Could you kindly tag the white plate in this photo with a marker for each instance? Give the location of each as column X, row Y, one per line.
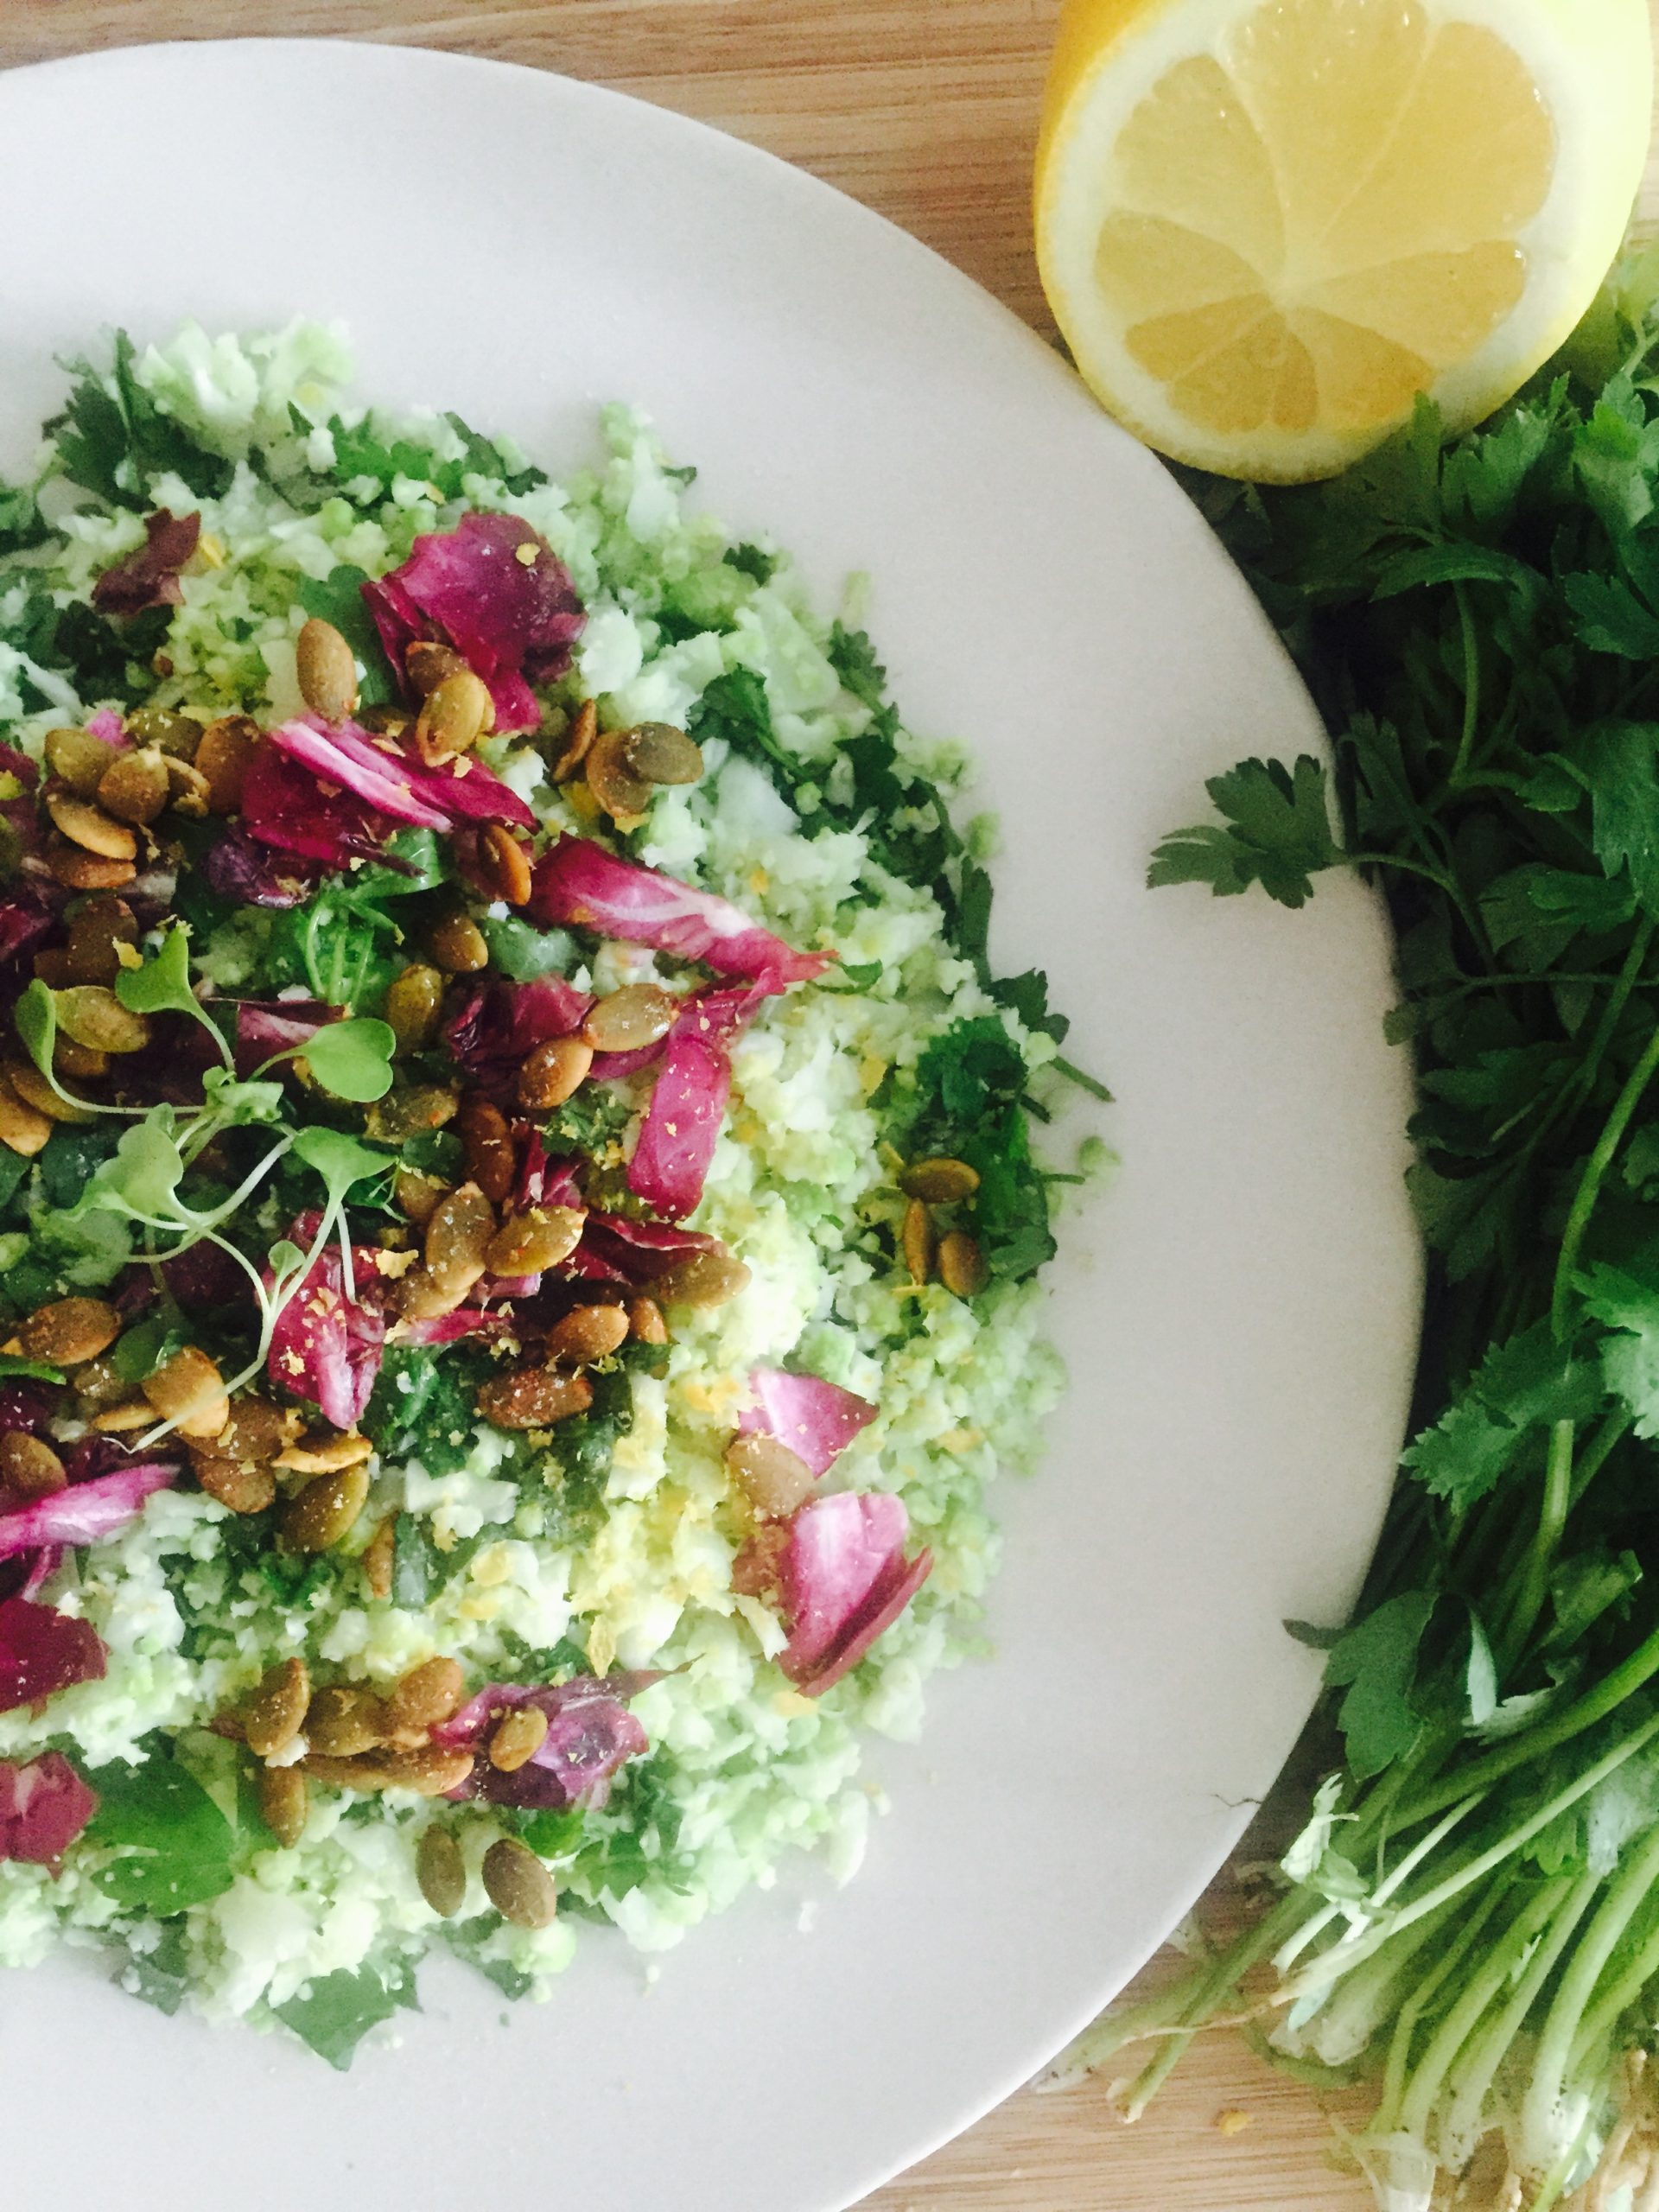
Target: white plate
column 1239, row 1316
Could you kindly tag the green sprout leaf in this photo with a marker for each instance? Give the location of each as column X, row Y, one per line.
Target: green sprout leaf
column 340, row 1160
column 352, row 1059
column 161, row 985
column 36, row 1020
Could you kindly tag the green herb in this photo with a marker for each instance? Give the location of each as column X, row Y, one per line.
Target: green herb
column 751, row 561
column 160, row 1976
column 333, row 2013
column 112, row 438
column 970, row 1104
column 175, row 1845
column 853, row 658
column 1479, row 620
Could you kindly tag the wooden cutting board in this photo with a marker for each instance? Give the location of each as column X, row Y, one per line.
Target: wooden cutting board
column 924, row 109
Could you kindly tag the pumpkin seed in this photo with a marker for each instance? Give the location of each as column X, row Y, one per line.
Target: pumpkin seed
column 414, row 1000
column 31, row 1087
column 342, row 1721
column 457, row 944
column 657, row 752
column 223, row 759
column 527, row 1244
column 324, row 1456
column 239, row 1487
column 326, row 1510
column 962, row 1265
column 99, row 926
column 133, row 788
column 554, row 1072
column 635, row 1016
column 177, row 735
column 624, row 795
column 534, row 1397
column 190, row 1393
column 80, row 870
column 700, row 1278
column 326, row 671
column 283, row 1803
column 441, row 1870
column 917, row 1239
column 69, row 1330
column 30, row 1468
column 408, row 1109
column 118, row 1420
column 379, row 1556
column 188, row 788
column 274, row 1714
column 427, row 662
column 491, row 1156
column 578, row 742
column 454, row 715
column 89, row 827
column 427, row 1694
column 77, row 1063
column 21, row 1130
column 519, row 1736
column 588, row 1333
column 427, row 1768
column 93, row 1016
column 774, row 1480
column 458, row 1237
column 645, row 1322
column 416, row 1194
column 503, row 864
column 519, row 1885
column 939, row 1182
column 78, row 759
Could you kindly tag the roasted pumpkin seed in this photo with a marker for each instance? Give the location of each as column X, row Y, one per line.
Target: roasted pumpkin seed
column 504, row 864
column 519, row 1885
column 939, row 1181
column 587, row 1334
column 631, row 1018
column 918, row 1241
column 427, row 1694
column 283, row 1803
column 534, row 1397
column 774, row 1480
column 657, row 752
column 527, row 1244
column 326, row 671
column 961, row 1264
column 274, row 1714
column 457, row 944
column 518, row 1737
column 414, row 1001
column 700, row 1278
column 326, row 1510
column 93, row 1016
column 554, row 1072
column 28, row 1467
column 190, row 1393
column 69, row 1330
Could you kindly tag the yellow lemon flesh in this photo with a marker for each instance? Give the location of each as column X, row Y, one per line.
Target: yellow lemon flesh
column 1266, row 225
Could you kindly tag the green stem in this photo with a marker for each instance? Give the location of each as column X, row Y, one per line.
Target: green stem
column 1461, row 2023
column 1558, row 1728
column 1592, row 1458
column 1533, row 1587
column 1451, row 1958
column 1333, row 1963
column 1464, row 2119
column 1595, row 1169
column 1542, row 2101
column 1471, row 686
column 1599, row 2022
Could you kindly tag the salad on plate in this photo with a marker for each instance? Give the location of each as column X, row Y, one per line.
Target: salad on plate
column 519, row 1234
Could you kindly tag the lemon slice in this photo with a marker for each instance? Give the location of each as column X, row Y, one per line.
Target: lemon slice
column 1266, row 225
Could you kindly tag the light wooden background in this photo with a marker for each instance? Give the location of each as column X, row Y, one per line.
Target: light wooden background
column 925, row 109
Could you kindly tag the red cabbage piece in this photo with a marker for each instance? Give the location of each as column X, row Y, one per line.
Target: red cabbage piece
column 43, row 1650
column 22, row 926
column 326, row 1346
column 816, row 1419
column 578, row 882
column 614, row 1247
column 241, row 870
column 495, row 1027
column 688, row 1102
column 86, row 1511
column 507, row 617
column 267, row 1027
column 39, row 1567
column 108, row 725
column 283, row 806
column 395, row 782
column 150, row 576
column 379, row 779
column 28, row 1405
column 591, row 1734
column 844, row 1578
column 43, row 1807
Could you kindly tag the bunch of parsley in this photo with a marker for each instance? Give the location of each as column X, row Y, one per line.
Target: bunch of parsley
column 1471, row 1919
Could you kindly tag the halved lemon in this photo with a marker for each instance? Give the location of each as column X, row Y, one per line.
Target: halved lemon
column 1266, row 225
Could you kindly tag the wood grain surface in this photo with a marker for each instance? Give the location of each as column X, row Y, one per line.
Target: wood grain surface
column 925, row 110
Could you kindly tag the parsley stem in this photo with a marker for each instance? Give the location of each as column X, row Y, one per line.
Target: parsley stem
column 1572, row 1095
column 1555, row 1729
column 1089, row 1082
column 1471, row 686
column 1533, row 1585
column 1595, row 1170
